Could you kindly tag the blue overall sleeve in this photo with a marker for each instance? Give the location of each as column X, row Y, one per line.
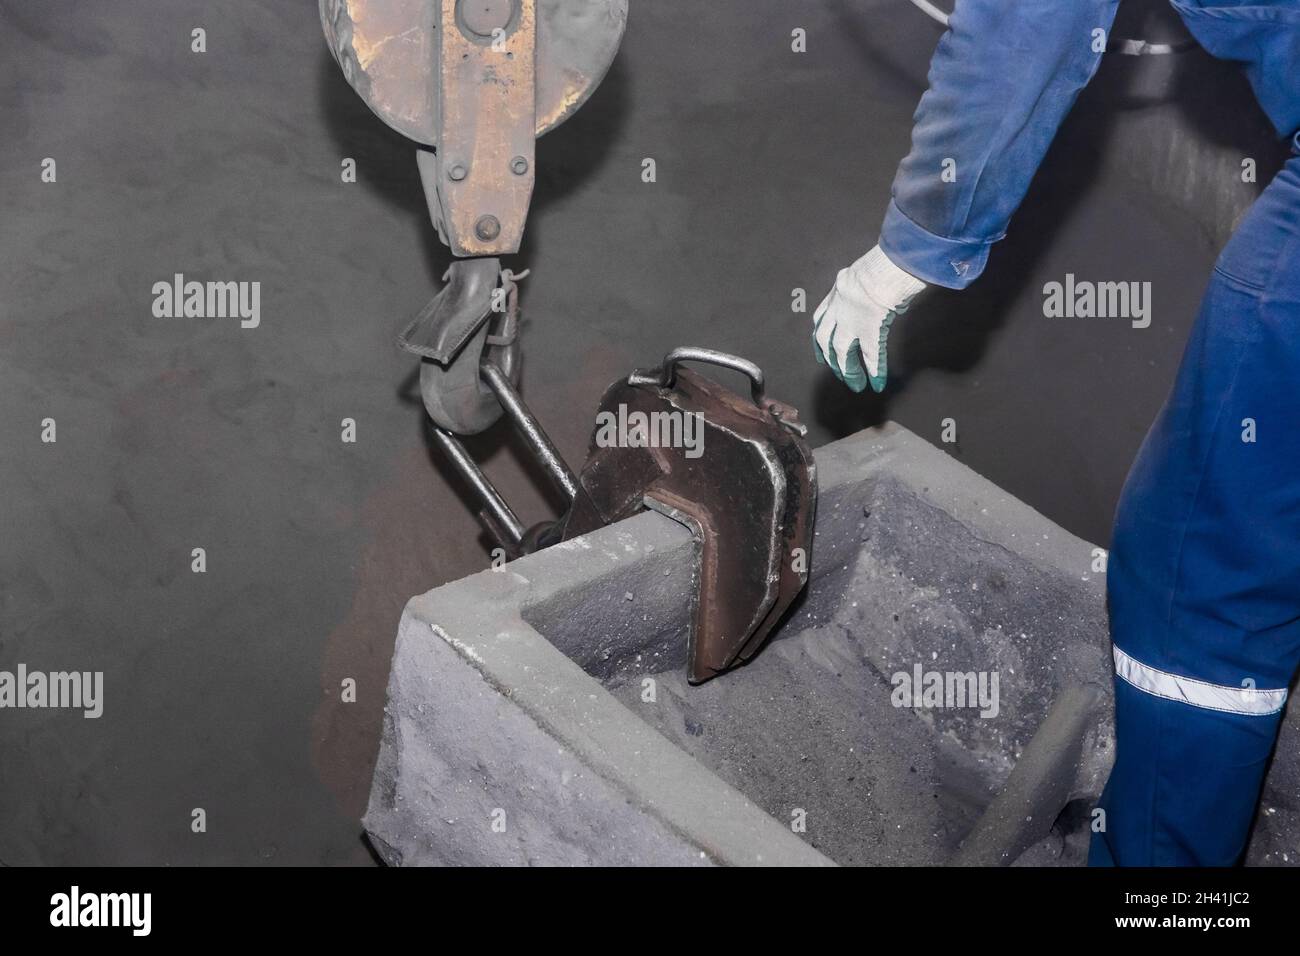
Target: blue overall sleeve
column 1001, row 81
column 1264, row 38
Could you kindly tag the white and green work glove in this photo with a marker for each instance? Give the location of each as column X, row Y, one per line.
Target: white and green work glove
column 851, row 325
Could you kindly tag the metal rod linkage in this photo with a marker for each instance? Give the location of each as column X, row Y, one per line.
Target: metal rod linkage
column 530, row 428
column 505, row 518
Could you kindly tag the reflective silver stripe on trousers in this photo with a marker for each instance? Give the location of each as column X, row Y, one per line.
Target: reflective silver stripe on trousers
column 1233, row 700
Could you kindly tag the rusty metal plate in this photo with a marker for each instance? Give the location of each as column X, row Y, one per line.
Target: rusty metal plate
column 748, row 498
column 483, row 169
column 388, row 50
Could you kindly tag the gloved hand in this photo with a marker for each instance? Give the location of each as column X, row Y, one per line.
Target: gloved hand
column 851, row 325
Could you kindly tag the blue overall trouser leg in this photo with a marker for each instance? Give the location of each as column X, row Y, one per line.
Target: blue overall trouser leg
column 1204, row 572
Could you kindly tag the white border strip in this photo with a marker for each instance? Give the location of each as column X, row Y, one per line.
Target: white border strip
column 1232, row 700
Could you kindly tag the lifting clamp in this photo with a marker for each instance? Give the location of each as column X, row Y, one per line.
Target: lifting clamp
column 740, row 476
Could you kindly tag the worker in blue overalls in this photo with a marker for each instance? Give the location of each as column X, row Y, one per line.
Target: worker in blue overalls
column 1204, row 573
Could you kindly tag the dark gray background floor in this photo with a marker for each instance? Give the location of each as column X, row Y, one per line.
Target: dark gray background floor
column 222, row 689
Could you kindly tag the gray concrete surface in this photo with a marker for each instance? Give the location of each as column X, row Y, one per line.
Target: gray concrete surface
column 539, row 712
column 223, row 689
column 523, row 691
column 1044, row 776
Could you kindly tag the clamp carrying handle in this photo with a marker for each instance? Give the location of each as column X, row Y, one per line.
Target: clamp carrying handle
column 665, row 376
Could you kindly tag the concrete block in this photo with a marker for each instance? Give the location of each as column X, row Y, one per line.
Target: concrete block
column 539, row 713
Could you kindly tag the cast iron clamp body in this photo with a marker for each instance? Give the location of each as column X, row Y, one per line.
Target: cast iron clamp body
column 746, row 491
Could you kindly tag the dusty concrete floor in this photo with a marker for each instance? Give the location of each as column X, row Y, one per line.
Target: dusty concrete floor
column 222, row 689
